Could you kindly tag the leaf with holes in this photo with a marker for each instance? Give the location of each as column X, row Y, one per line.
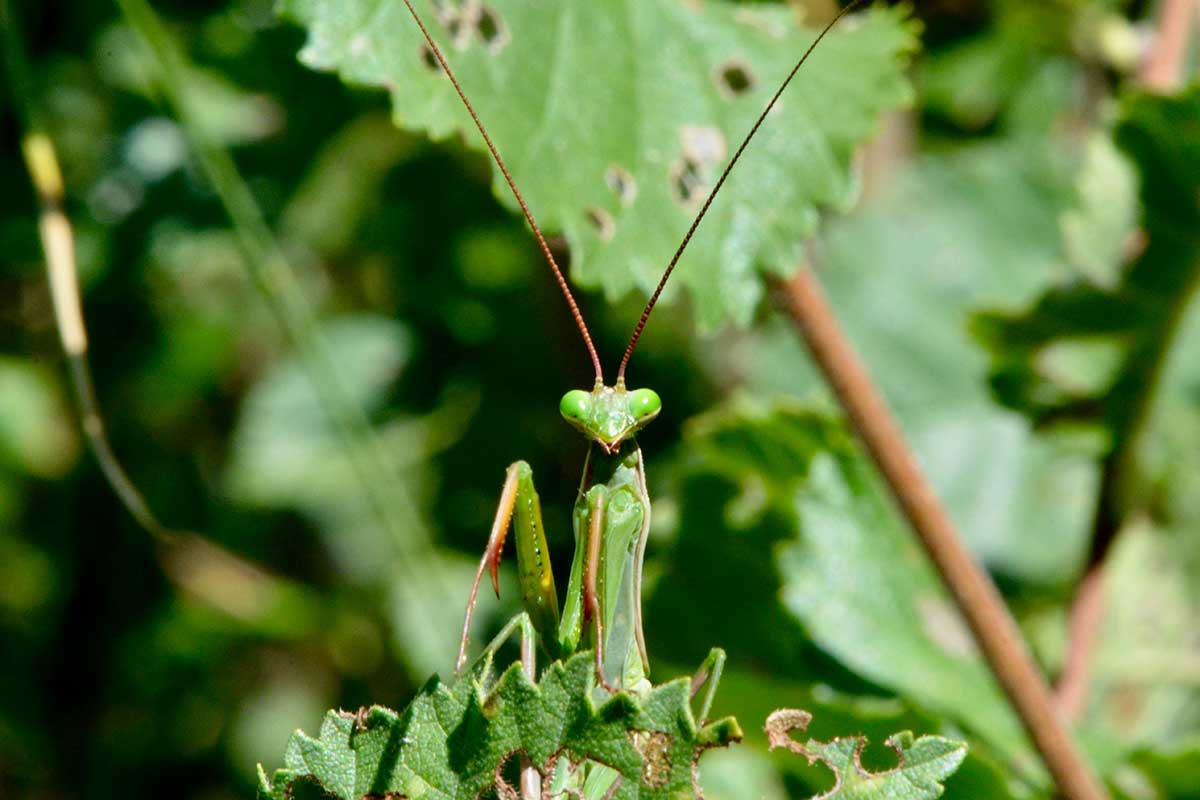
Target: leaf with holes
column 454, row 741
column 923, row 763
column 615, row 119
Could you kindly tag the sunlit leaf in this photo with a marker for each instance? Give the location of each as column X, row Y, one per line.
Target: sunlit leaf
column 616, row 119
column 452, row 741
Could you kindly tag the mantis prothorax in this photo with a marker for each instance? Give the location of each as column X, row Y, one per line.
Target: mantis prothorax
column 611, row 519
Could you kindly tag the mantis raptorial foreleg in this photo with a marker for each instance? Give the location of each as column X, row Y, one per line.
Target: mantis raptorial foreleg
column 594, row 530
column 611, row 521
column 518, row 499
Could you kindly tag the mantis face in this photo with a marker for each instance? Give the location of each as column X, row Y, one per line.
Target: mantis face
column 609, row 415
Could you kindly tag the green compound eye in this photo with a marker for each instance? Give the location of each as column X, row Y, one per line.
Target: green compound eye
column 644, row 404
column 575, row 405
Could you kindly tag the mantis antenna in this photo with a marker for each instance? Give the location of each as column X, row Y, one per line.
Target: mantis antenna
column 541, row 240
column 637, row 331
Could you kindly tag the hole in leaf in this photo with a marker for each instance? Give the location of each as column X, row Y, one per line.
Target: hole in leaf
column 506, row 777
column 602, row 221
column 687, row 183
column 703, row 146
column 429, row 59
column 457, row 30
column 878, row 756
column 622, row 183
column 734, row 78
column 490, row 29
column 703, row 143
column 307, row 788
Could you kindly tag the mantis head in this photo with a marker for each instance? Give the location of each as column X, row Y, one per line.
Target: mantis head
column 609, row 415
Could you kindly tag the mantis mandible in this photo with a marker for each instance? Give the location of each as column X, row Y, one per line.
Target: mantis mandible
column 611, row 519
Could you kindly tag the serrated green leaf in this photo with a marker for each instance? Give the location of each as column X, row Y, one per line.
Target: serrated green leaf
column 597, row 108
column 923, row 763
column 452, row 740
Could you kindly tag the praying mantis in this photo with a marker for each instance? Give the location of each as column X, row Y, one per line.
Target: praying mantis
column 611, row 518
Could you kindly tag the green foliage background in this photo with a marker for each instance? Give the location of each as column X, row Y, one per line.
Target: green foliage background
column 989, row 257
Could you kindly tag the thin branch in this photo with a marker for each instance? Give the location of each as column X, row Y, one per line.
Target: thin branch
column 58, row 244
column 1083, row 626
column 984, row 610
column 218, row 577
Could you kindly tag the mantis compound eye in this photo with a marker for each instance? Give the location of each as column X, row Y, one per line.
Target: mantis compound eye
column 575, row 406
column 644, row 404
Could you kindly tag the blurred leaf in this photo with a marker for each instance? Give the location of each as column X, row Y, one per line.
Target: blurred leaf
column 1143, row 690
column 1097, row 231
column 978, row 79
column 1172, row 773
column 287, row 453
column 923, row 763
column 741, row 772
column 971, row 229
column 37, row 435
column 971, row 81
column 616, row 119
column 27, row 574
column 343, row 184
column 844, row 567
column 1142, row 314
column 229, row 114
column 268, row 714
column 452, row 741
column 285, row 448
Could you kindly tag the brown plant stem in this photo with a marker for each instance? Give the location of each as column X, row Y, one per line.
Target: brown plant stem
column 994, row 629
column 1083, row 625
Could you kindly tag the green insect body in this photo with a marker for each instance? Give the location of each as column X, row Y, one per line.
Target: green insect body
column 611, row 522
column 611, row 519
